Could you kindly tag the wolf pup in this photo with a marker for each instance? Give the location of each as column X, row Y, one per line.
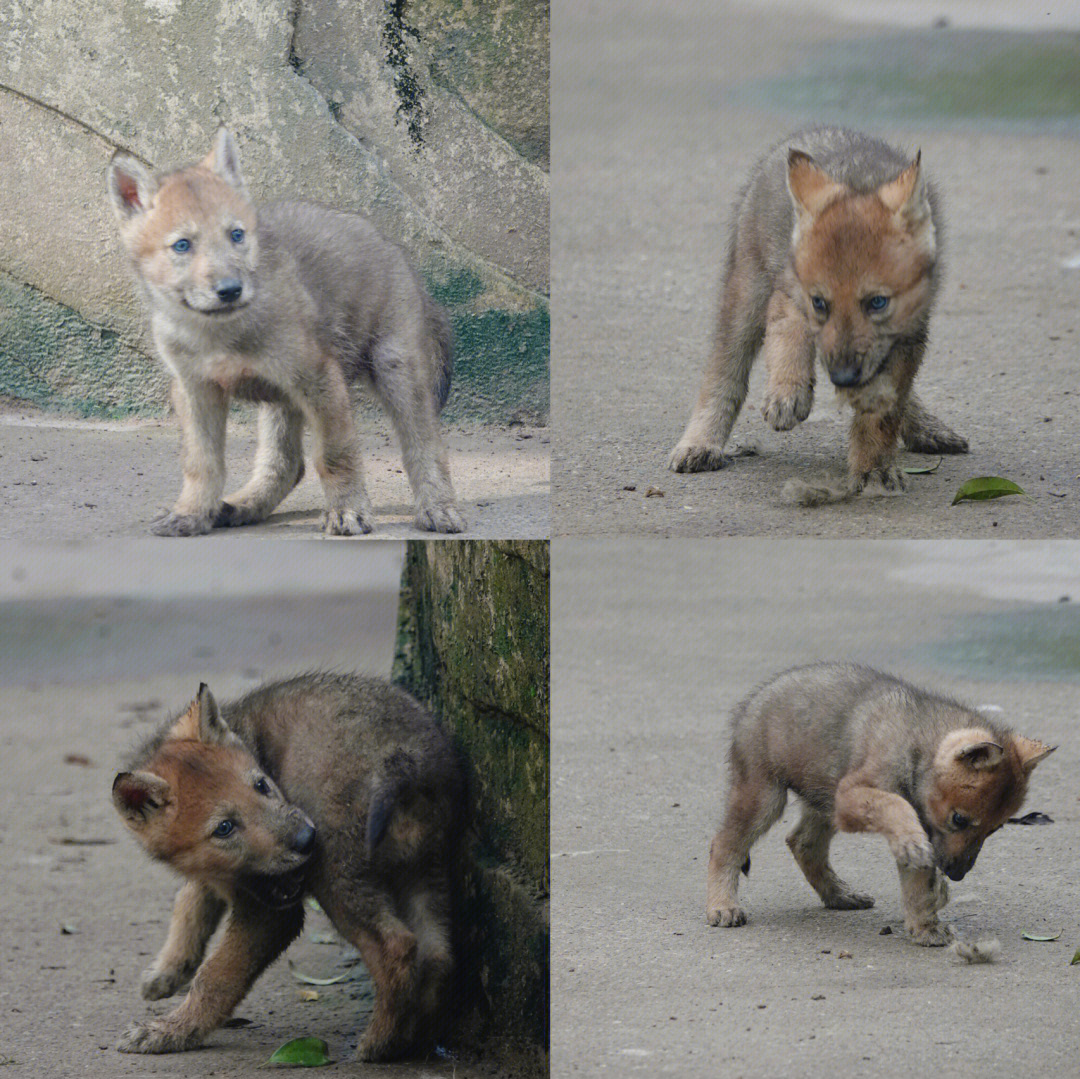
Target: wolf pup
column 835, row 252
column 286, row 305
column 867, row 753
column 338, row 786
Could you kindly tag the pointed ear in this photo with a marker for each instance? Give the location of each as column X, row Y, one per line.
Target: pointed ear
column 907, row 196
column 131, row 186
column 138, row 796
column 1031, row 752
column 811, row 189
column 980, row 755
column 224, row 159
column 202, row 721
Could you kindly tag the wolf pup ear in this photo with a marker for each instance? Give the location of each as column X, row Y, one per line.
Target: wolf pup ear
column 811, row 189
column 981, row 755
column 131, row 187
column 1031, row 752
column 139, row 795
column 224, row 159
column 907, row 196
column 202, row 721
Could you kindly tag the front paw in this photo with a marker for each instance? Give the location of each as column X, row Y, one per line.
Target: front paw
column 892, row 479
column 439, row 518
column 912, row 851
column 932, row 935
column 347, row 522
column 182, row 524
column 157, row 1038
column 782, row 410
column 159, row 984
column 687, row 458
column 235, row 515
column 728, row 917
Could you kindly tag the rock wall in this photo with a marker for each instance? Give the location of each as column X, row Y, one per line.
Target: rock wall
column 429, row 116
column 473, row 644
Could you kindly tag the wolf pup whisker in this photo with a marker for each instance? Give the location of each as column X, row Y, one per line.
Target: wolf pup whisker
column 288, row 305
column 331, row 785
column 866, row 752
column 835, row 253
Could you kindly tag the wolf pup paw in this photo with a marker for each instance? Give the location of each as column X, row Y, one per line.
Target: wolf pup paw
column 783, row 411
column 182, row 524
column 849, row 900
column 937, row 935
column 156, row 1038
column 686, row 458
column 159, row 984
column 439, row 518
column 347, row 523
column 726, row 916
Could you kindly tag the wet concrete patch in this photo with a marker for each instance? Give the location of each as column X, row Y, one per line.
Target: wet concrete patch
column 980, row 75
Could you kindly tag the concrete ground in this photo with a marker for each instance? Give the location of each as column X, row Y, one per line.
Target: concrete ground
column 659, row 110
column 72, row 479
column 653, row 645
column 101, row 643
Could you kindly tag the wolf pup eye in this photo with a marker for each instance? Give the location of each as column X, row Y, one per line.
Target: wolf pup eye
column 261, row 786
column 877, row 303
column 182, row 246
column 225, row 828
column 237, row 236
column 820, row 304
column 959, row 821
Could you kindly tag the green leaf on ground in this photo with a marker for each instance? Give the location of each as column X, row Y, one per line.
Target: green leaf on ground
column 1042, row 936
column 1075, row 958
column 302, row 1053
column 924, row 470
column 984, row 487
column 308, row 980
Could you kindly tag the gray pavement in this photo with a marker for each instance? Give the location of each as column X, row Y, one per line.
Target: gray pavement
column 658, row 112
column 100, row 644
column 653, row 644
column 72, row 479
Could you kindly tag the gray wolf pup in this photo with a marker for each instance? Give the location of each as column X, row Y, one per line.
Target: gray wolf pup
column 835, row 252
column 866, row 752
column 338, row 786
column 288, row 306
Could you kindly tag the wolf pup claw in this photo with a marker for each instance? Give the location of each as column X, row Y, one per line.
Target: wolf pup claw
column 288, row 306
column 338, row 786
column 866, row 752
column 835, row 253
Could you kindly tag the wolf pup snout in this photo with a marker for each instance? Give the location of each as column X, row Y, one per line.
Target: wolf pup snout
column 337, row 786
column 866, row 752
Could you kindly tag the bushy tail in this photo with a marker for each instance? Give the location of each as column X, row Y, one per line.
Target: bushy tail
column 441, row 348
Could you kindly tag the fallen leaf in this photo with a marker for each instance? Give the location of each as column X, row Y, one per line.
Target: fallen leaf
column 924, row 470
column 1034, row 817
column 78, row 758
column 308, row 980
column 309, row 994
column 984, row 487
column 1075, row 958
column 302, row 1052
column 1042, row 936
column 843, row 955
column 653, row 492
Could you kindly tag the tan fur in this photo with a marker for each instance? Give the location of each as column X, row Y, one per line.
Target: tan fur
column 809, row 257
column 867, row 753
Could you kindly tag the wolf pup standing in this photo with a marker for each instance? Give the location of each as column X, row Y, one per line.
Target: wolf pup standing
column 835, row 251
column 340, row 786
column 286, row 305
column 867, row 753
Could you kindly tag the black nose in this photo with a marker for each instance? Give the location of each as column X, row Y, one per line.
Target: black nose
column 304, row 840
column 845, row 376
column 229, row 289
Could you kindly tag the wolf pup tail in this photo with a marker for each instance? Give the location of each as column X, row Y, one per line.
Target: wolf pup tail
column 441, row 348
column 395, row 788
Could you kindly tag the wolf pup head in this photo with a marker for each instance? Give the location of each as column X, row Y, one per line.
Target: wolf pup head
column 864, row 262
column 192, row 232
column 976, row 783
column 199, row 802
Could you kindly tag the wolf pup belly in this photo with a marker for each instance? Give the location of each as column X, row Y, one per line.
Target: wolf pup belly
column 866, row 752
column 287, row 305
column 836, row 253
column 338, row 786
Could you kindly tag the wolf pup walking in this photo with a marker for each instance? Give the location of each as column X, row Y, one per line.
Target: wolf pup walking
column 287, row 305
column 340, row 786
column 867, row 753
column 835, row 251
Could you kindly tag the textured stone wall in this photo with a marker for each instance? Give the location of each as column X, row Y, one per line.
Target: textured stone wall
column 473, row 644
column 429, row 116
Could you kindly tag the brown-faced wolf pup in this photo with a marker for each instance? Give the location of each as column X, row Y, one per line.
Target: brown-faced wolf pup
column 835, row 252
column 288, row 305
column 866, row 752
column 338, row 786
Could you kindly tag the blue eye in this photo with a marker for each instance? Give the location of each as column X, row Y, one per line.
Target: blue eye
column 181, row 246
column 237, row 236
column 224, row 828
column 819, row 304
column 877, row 303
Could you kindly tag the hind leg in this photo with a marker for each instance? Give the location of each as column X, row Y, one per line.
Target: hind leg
column 279, row 467
column 410, row 400
column 922, row 432
column 788, row 352
column 809, row 843
column 427, row 915
column 754, row 806
column 389, row 950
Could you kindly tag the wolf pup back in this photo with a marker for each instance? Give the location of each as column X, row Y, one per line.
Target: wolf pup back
column 287, row 305
column 835, row 253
